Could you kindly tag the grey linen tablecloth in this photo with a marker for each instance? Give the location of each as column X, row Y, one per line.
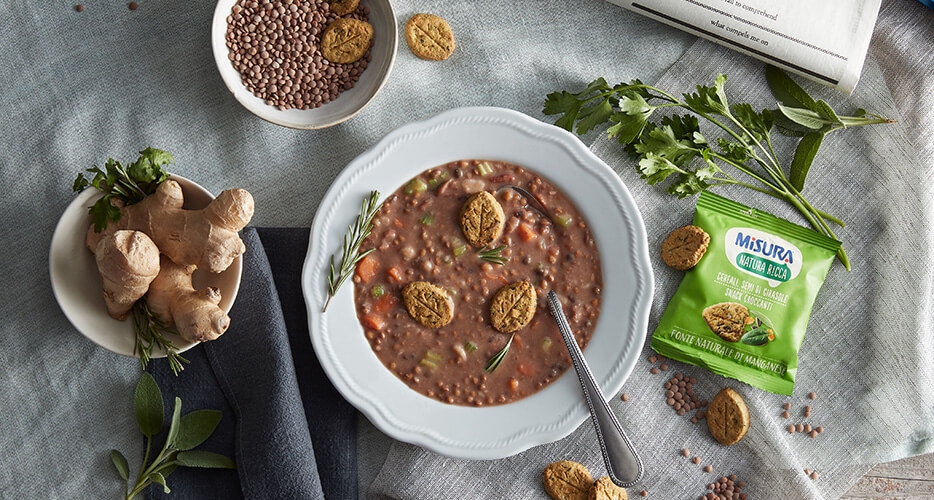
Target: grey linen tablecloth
column 76, row 88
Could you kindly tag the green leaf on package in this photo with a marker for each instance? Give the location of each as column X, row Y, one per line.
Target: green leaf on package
column 148, row 405
column 756, row 336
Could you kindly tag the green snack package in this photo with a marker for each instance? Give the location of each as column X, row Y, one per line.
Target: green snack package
column 742, row 310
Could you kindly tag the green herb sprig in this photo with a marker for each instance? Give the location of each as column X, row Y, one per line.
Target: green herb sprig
column 350, row 253
column 185, row 433
column 150, row 334
column 131, row 184
column 674, row 146
column 493, row 255
column 493, row 363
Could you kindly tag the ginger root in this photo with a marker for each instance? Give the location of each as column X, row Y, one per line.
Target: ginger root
column 128, row 262
column 205, row 238
column 194, row 313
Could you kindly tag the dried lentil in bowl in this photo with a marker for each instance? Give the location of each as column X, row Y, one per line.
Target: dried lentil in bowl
column 417, row 237
column 275, row 46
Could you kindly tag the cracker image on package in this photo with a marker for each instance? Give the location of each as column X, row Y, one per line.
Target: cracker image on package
column 743, row 309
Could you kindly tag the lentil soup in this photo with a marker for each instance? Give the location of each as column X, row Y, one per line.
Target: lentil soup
column 417, row 236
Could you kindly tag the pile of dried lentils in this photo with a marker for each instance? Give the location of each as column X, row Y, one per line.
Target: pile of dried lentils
column 275, row 45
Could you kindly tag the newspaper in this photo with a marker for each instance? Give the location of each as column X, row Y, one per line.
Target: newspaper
column 824, row 40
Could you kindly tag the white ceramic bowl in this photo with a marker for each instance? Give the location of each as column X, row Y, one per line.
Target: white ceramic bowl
column 548, row 415
column 347, row 105
column 77, row 283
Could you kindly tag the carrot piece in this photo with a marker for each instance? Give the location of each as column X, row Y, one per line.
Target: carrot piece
column 395, row 273
column 513, row 385
column 526, row 232
column 398, row 223
column 384, row 304
column 367, row 267
column 374, row 321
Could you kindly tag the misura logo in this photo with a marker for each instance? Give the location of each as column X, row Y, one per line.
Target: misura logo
column 762, row 255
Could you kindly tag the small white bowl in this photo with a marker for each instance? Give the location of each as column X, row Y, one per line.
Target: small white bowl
column 347, row 105
column 77, row 283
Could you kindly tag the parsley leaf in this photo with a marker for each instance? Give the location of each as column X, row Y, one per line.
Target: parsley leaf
column 126, row 185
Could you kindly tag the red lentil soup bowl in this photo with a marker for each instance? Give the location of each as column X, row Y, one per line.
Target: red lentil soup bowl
column 522, row 407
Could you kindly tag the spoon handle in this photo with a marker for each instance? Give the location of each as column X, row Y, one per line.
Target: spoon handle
column 623, row 465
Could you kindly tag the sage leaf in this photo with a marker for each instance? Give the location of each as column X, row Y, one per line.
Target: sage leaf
column 757, row 336
column 204, row 459
column 787, row 91
column 788, row 127
column 804, row 157
column 827, row 113
column 173, row 427
column 160, row 479
column 196, row 427
column 804, row 117
column 148, row 405
column 120, row 464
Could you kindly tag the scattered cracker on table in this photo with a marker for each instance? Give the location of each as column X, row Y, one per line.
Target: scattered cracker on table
column 429, row 37
column 604, row 489
column 728, row 417
column 567, row 480
column 684, row 247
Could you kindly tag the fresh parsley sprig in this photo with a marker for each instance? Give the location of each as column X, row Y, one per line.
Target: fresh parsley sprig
column 129, row 184
column 351, row 254
column 185, row 433
column 674, row 147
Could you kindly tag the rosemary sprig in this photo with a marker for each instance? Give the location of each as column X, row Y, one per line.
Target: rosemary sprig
column 493, row 363
column 150, row 334
column 493, row 255
column 350, row 254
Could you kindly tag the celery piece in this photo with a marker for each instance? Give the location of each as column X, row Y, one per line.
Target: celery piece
column 415, row 185
column 484, row 168
column 432, row 356
column 546, row 344
column 563, row 220
column 469, row 346
column 459, row 250
column 428, row 363
column 427, row 219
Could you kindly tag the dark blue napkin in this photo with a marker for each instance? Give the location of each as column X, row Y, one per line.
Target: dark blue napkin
column 290, row 432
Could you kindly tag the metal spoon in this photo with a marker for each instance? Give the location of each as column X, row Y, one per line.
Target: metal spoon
column 533, row 202
column 622, row 464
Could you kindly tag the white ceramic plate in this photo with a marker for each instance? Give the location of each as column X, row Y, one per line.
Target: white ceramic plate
column 77, row 283
column 347, row 105
column 548, row 415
